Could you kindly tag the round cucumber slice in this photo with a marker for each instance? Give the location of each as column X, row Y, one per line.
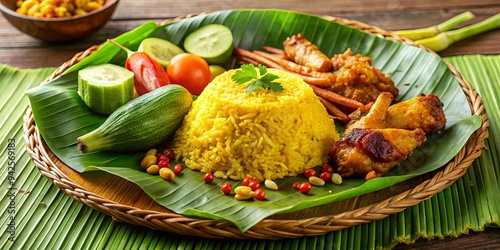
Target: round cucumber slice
column 213, row 42
column 161, row 50
column 106, row 87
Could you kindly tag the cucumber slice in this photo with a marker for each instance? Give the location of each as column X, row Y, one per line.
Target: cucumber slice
column 161, row 50
column 213, row 42
column 106, row 87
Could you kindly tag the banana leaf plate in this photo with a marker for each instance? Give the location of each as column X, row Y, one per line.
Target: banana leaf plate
column 115, row 184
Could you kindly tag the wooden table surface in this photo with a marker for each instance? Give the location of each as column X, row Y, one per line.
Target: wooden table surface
column 22, row 51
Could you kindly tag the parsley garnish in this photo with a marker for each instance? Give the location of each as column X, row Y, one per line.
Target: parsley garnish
column 265, row 80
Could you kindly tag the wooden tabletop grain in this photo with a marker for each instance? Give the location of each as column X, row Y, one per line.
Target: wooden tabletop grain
column 20, row 50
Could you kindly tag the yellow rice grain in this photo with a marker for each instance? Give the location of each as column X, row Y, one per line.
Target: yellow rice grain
column 265, row 134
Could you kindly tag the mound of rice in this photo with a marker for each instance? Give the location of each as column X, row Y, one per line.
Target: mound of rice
column 265, row 134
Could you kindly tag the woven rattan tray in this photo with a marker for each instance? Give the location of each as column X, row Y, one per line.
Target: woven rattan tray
column 124, row 201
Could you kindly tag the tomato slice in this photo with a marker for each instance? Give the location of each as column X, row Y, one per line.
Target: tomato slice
column 148, row 74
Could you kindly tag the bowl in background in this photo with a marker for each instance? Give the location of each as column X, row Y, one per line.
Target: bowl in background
column 58, row 29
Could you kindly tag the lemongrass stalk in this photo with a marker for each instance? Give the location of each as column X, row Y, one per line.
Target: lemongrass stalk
column 445, row 39
column 417, row 34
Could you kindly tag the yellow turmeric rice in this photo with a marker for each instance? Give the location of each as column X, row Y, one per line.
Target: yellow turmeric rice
column 265, row 134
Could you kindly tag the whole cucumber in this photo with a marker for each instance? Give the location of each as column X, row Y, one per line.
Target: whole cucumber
column 141, row 123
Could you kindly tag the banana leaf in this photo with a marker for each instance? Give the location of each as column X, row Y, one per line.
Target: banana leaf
column 61, row 115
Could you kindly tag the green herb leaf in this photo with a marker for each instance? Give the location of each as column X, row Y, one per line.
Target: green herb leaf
column 262, row 69
column 248, row 73
column 245, row 74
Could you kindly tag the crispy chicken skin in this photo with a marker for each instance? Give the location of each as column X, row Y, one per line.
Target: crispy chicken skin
column 303, row 52
column 424, row 111
column 376, row 117
column 387, row 134
column 363, row 150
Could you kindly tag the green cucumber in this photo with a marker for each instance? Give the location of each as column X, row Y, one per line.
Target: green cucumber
column 105, row 87
column 142, row 123
column 213, row 42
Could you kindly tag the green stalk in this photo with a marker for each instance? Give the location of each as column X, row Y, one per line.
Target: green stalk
column 444, row 40
column 417, row 34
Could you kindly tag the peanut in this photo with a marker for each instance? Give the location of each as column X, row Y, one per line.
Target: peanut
column 243, row 193
column 167, row 174
column 316, row 181
column 148, row 161
column 153, row 169
column 243, row 190
column 271, row 185
column 152, row 151
column 336, row 178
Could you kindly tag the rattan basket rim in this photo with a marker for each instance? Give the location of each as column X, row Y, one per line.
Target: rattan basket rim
column 268, row 228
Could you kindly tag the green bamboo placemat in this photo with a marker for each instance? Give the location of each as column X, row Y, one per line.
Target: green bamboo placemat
column 39, row 216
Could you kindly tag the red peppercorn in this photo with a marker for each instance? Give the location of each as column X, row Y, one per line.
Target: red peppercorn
column 309, row 172
column 260, row 194
column 178, row 168
column 169, row 153
column 161, row 157
column 325, row 176
column 254, row 185
column 226, row 188
column 296, row 185
column 246, row 181
column 305, row 187
column 327, row 168
column 163, row 164
column 208, row 177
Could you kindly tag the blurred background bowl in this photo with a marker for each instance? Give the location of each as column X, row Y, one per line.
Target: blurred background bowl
column 60, row 29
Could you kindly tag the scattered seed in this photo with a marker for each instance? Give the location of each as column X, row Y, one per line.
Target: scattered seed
column 148, row 161
column 260, row 194
column 153, row 169
column 243, row 190
column 316, row 181
column 309, row 172
column 326, row 176
column 254, row 185
column 152, row 151
column 336, row 178
column 167, row 174
column 271, row 185
column 208, row 177
column 243, row 197
column 305, row 187
column 178, row 168
column 226, row 188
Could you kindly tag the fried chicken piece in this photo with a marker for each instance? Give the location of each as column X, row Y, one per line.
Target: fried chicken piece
column 303, row 52
column 387, row 134
column 376, row 116
column 424, row 111
column 362, row 82
column 363, row 150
